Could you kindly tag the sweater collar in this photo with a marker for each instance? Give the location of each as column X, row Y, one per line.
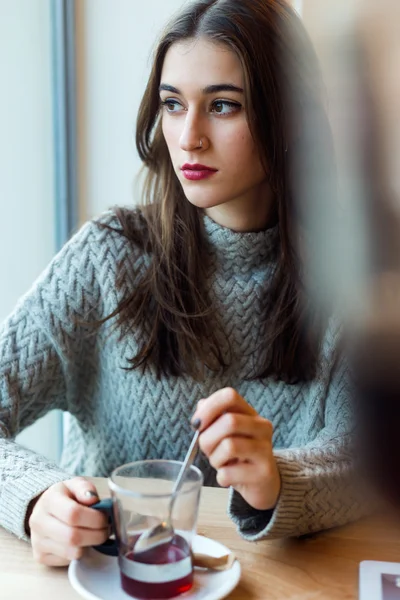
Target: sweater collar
column 250, row 249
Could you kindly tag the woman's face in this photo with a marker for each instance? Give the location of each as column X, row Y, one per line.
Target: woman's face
column 205, row 127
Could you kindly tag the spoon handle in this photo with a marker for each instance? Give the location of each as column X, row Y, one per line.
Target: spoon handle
column 189, row 458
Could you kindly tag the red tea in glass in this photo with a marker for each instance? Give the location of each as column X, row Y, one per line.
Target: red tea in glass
column 161, row 572
column 141, row 495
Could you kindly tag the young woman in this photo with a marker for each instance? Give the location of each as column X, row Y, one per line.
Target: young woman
column 191, row 306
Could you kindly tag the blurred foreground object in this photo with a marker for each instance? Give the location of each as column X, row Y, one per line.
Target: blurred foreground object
column 355, row 261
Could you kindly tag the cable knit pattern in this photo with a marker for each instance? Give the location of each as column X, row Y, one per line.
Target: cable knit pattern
column 50, row 358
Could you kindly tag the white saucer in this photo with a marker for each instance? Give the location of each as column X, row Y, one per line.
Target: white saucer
column 96, row 576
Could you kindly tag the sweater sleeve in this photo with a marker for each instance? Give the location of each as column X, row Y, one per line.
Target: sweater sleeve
column 41, row 344
column 318, row 490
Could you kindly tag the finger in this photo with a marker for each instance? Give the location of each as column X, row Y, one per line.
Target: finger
column 240, row 449
column 52, row 528
column 50, row 547
column 72, row 513
column 234, row 424
column 225, row 400
column 51, row 560
column 82, row 490
column 239, row 474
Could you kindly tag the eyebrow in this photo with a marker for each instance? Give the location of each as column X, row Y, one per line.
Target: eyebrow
column 210, row 89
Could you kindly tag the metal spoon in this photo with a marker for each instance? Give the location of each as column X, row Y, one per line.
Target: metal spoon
column 164, row 532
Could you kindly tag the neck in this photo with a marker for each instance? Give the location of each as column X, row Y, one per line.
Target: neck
column 246, row 214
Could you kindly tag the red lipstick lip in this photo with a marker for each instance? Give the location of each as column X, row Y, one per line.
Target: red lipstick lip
column 196, row 167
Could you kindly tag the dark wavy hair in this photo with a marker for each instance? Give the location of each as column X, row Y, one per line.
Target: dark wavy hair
column 283, row 90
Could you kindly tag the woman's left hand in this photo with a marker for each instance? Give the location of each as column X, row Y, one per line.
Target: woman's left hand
column 238, row 444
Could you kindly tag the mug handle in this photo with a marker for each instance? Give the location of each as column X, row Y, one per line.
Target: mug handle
column 109, row 547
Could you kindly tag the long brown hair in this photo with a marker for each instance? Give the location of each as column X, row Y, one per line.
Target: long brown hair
column 281, row 79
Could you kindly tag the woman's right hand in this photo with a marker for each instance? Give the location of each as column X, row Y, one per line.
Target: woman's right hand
column 62, row 522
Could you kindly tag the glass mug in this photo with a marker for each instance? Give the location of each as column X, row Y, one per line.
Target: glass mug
column 140, row 498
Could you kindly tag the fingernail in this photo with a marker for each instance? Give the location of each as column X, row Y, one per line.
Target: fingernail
column 196, row 424
column 90, row 494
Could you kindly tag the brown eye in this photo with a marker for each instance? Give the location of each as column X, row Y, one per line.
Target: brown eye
column 171, row 105
column 223, row 107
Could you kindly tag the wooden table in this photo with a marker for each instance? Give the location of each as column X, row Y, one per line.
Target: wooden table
column 323, row 567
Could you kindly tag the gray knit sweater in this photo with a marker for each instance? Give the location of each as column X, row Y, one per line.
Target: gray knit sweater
column 48, row 361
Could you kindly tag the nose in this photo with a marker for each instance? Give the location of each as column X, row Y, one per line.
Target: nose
column 193, row 135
